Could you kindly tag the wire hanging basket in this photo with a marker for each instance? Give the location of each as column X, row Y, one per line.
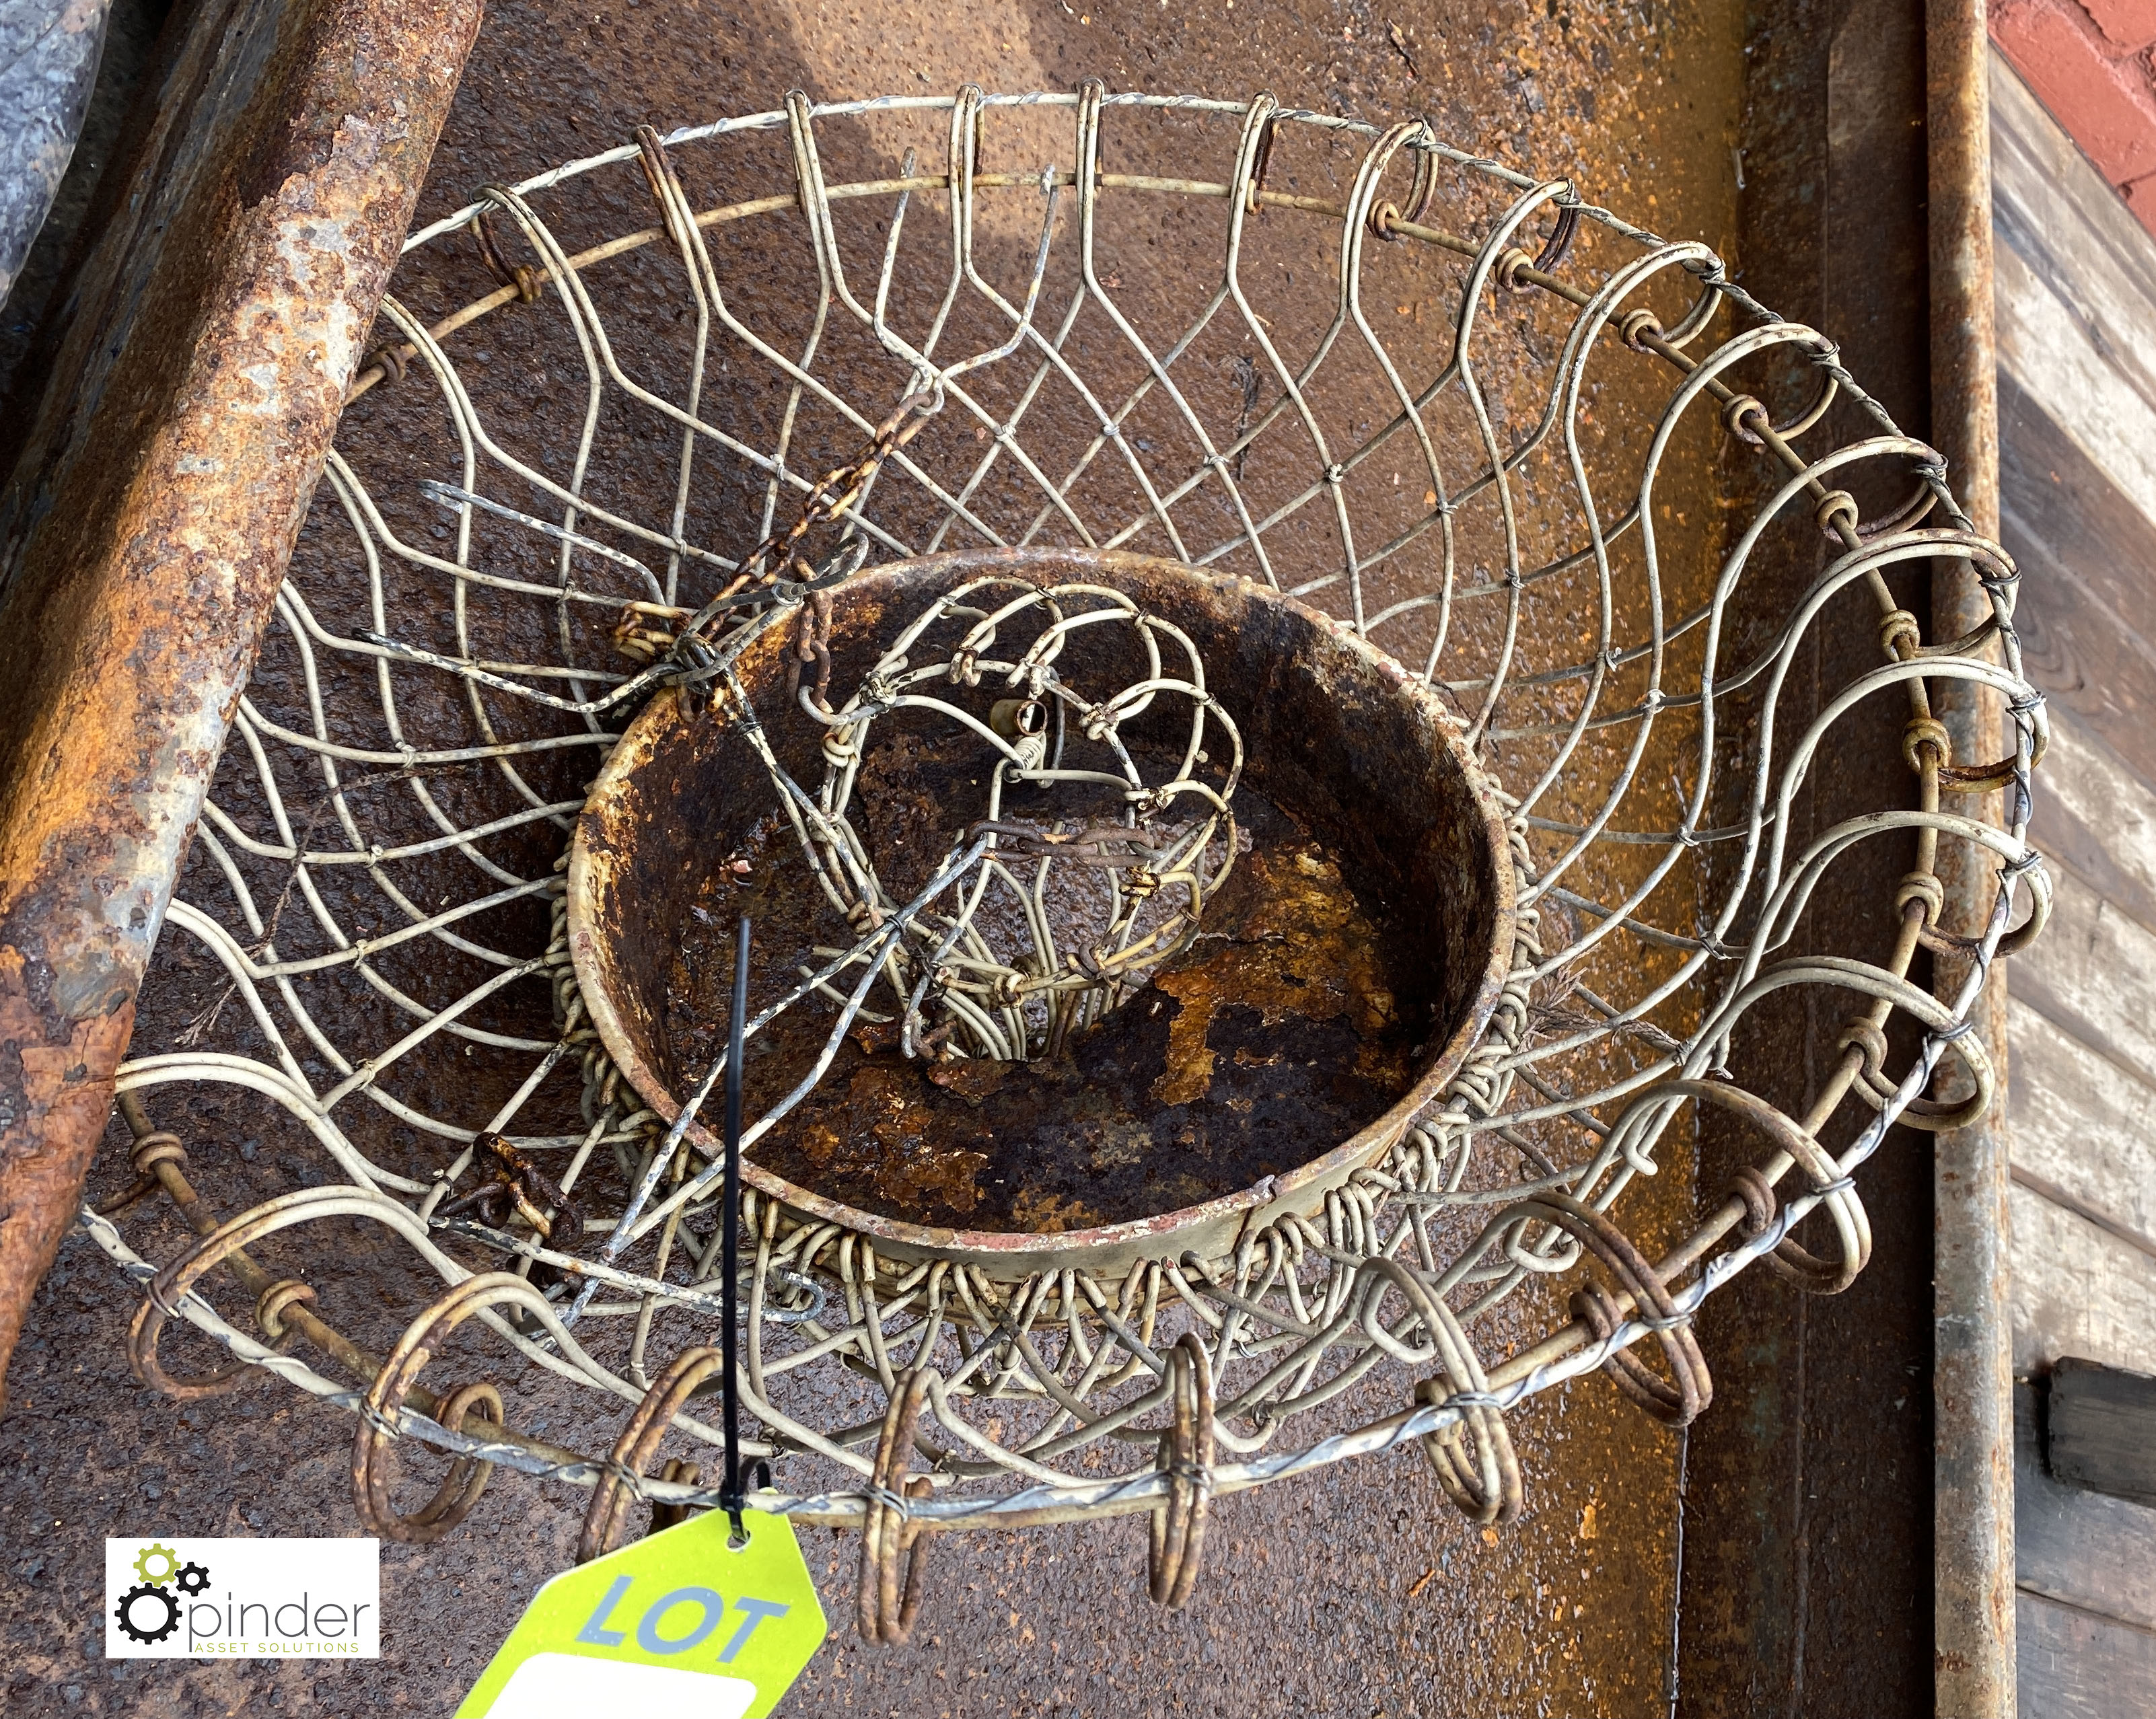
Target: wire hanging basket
column 1311, row 512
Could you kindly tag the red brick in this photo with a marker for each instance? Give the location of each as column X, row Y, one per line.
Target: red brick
column 2106, row 103
column 2126, row 24
column 2140, row 199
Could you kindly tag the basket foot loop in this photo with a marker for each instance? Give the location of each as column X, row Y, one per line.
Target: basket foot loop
column 1474, row 1459
column 160, row 1161
column 1175, row 1531
column 1678, row 1400
column 639, row 1439
column 382, row 1409
column 886, row 1614
column 1752, row 1187
column 460, row 1488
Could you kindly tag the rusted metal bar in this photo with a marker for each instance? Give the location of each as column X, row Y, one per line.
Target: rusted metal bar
column 1973, row 1383
column 159, row 486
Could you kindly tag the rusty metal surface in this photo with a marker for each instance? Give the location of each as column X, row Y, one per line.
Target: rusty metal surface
column 1380, row 736
column 1972, row 1360
column 144, row 532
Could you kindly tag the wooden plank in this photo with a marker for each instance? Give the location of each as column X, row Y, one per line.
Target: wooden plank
column 2076, row 307
column 2058, row 504
column 2075, row 299
column 2075, row 283
column 2088, row 1550
column 2078, row 1289
column 2075, row 1664
column 2086, row 610
column 2066, row 1199
column 2073, row 217
column 2097, row 816
column 2087, row 660
column 2100, row 1428
column 2080, row 1124
column 2093, row 974
column 2055, row 358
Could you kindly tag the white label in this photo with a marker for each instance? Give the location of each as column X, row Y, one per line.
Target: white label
column 570, row 1686
column 166, row 1598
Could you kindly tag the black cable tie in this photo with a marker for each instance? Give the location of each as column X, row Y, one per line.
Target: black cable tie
column 730, row 1493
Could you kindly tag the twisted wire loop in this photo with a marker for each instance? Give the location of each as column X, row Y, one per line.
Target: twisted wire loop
column 161, row 1160
column 1788, row 1258
column 377, row 1424
column 1445, row 403
column 886, row 1614
column 1676, row 1401
column 149, row 1150
column 1175, row 1531
column 1473, row 1456
column 150, row 1153
column 460, row 1488
column 651, row 1422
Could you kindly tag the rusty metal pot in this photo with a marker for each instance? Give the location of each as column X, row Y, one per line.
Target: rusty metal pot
column 1333, row 728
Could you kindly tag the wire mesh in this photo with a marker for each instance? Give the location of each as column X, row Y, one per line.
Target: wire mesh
column 1439, row 400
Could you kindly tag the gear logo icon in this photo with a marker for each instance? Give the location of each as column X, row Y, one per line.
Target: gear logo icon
column 150, row 1611
column 146, row 1612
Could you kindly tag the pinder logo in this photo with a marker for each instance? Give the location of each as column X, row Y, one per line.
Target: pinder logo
column 242, row 1598
column 150, row 1611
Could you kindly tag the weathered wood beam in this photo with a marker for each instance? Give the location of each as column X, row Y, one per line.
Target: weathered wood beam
column 2100, row 1431
column 2077, row 1664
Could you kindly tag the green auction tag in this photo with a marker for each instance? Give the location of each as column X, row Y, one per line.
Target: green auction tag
column 678, row 1626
